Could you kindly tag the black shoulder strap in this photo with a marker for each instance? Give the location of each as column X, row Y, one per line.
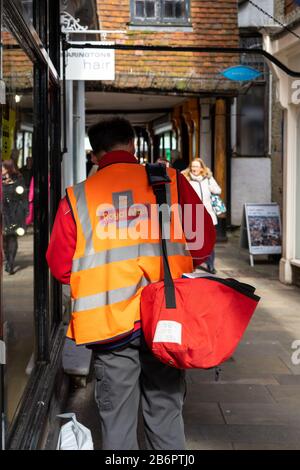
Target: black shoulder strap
column 158, row 178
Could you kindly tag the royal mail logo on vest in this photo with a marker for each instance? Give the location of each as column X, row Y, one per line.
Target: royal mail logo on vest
column 122, row 217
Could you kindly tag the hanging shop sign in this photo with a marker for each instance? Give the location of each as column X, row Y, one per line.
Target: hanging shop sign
column 241, row 73
column 261, row 229
column 8, row 132
column 90, row 64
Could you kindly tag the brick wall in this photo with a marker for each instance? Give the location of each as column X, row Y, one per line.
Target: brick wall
column 289, row 6
column 288, row 11
column 214, row 23
column 17, row 67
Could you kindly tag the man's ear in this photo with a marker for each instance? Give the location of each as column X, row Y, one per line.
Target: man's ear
column 131, row 147
column 94, row 158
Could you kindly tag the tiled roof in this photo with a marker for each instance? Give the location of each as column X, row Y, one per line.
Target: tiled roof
column 213, row 24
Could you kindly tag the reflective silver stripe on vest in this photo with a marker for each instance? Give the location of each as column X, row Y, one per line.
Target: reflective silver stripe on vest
column 107, row 298
column 84, row 217
column 125, row 253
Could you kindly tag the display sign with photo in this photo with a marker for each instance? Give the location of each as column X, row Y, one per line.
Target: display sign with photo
column 263, row 228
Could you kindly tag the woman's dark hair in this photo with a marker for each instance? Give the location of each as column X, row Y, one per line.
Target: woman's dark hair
column 11, row 167
column 107, row 134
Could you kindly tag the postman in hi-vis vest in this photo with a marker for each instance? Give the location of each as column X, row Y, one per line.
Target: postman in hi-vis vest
column 118, row 250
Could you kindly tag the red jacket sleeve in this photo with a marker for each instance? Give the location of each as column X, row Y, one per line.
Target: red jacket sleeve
column 62, row 244
column 203, row 224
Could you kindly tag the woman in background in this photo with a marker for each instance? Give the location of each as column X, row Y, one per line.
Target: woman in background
column 203, row 182
column 14, row 211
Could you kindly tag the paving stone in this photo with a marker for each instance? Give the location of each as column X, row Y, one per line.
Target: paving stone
column 287, row 360
column 285, row 394
column 201, row 376
column 208, row 445
column 235, row 393
column 273, row 334
column 287, row 379
column 259, row 365
column 233, row 375
column 260, row 446
column 259, row 347
column 258, row 413
column 204, row 413
column 250, row 434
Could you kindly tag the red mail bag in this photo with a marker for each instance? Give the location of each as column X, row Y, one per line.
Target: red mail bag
column 206, row 326
column 192, row 322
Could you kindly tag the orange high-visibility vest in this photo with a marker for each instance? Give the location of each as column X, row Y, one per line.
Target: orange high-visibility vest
column 117, row 250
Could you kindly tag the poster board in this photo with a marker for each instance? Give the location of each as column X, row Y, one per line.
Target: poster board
column 261, row 229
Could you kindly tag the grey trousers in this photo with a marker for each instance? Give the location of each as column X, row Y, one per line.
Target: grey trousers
column 130, row 375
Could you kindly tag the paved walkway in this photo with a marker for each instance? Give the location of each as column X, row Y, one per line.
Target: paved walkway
column 255, row 403
column 17, row 303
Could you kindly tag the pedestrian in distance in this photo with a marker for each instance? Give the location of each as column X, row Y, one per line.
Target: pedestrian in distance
column 107, row 275
column 203, row 182
column 15, row 208
column 27, row 172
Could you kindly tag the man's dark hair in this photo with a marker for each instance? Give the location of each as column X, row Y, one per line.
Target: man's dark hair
column 107, row 134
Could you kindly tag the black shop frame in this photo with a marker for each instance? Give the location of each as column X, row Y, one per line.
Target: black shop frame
column 41, row 41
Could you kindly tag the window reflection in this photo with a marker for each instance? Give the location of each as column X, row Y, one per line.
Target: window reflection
column 26, row 7
column 17, row 220
column 251, row 109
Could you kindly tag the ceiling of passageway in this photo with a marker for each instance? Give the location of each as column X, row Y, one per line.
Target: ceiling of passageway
column 148, row 107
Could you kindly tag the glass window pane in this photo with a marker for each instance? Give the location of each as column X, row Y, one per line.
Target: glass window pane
column 179, row 9
column 252, row 122
column 139, row 9
column 17, row 222
column 150, row 9
column 169, row 9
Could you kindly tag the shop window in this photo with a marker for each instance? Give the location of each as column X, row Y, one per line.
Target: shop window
column 160, row 11
column 167, row 144
column 17, row 227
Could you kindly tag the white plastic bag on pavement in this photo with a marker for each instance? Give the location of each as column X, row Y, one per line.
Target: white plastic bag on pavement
column 73, row 435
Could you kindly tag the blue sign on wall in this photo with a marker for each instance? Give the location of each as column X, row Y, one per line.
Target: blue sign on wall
column 241, row 73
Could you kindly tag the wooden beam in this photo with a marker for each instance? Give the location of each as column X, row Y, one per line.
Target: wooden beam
column 220, row 163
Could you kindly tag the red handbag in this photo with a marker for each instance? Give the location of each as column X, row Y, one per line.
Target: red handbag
column 192, row 322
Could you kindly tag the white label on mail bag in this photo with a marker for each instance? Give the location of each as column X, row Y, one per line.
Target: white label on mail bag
column 168, row 332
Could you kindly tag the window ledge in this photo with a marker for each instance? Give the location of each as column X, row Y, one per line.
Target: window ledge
column 184, row 28
column 295, row 262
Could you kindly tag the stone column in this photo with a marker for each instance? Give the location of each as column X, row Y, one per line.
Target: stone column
column 289, row 195
column 67, row 163
column 79, row 132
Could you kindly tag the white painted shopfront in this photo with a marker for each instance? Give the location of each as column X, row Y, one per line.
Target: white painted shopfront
column 285, row 47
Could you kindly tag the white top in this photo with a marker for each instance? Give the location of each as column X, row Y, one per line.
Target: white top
column 204, row 187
